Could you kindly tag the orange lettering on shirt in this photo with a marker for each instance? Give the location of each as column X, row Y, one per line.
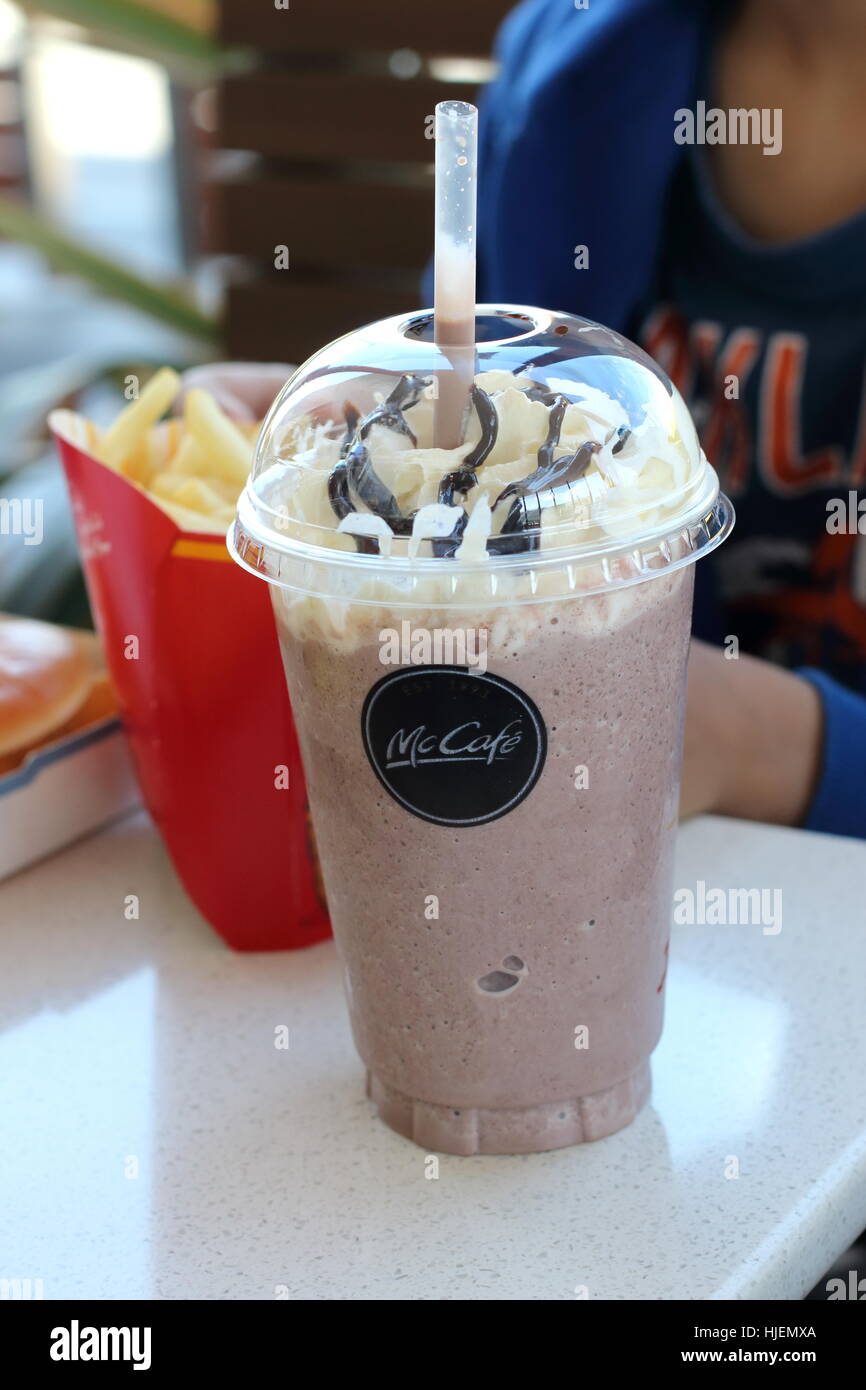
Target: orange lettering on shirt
column 666, row 339
column 727, row 437
column 780, row 455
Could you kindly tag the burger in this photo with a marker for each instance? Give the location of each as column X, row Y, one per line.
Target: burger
column 52, row 683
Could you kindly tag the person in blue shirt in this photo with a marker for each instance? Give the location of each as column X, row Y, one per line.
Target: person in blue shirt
column 693, row 175
column 740, row 264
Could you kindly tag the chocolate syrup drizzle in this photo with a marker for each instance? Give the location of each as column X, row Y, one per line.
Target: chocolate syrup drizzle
column 339, row 493
column 354, row 479
column 465, row 478
column 540, row 393
column 406, row 393
column 523, row 522
column 622, row 435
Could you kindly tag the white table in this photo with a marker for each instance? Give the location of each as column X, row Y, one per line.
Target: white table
column 158, row 1145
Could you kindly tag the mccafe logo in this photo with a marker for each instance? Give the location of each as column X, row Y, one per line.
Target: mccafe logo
column 451, row 745
column 463, row 743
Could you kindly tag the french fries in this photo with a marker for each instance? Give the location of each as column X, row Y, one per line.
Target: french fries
column 215, row 434
column 120, row 440
column 192, row 467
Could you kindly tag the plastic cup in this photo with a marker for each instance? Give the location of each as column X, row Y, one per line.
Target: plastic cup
column 490, row 719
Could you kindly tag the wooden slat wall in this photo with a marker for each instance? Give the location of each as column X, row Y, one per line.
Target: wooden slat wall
column 462, row 27
column 340, row 173
column 332, row 115
column 14, row 173
column 325, row 223
column 290, row 321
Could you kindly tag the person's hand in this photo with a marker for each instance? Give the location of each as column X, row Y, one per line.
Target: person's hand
column 244, row 390
column 753, row 739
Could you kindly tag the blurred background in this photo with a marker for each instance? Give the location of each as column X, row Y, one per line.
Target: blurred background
column 186, row 180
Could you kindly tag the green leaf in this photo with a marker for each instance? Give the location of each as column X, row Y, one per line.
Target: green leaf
column 132, row 26
column 108, row 277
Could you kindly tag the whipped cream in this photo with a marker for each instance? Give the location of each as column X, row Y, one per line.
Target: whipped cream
column 633, row 477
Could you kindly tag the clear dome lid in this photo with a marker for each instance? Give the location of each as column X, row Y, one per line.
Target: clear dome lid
column 565, row 440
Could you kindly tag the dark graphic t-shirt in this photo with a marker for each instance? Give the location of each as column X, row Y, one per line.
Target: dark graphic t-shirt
column 768, row 345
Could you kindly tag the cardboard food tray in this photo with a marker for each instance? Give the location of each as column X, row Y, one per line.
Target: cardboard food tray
column 64, row 790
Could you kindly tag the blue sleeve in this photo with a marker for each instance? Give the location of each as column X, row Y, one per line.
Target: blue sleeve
column 839, row 804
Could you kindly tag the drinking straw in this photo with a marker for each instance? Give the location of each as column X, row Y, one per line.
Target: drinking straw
column 454, row 302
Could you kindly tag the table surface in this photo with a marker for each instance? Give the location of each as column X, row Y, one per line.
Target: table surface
column 159, row 1145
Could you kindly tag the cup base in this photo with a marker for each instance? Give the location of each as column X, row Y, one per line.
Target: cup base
column 534, row 1129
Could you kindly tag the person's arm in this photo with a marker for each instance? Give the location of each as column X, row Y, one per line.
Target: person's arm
column 763, row 743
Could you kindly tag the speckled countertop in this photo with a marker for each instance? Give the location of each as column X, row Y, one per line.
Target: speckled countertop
column 158, row 1145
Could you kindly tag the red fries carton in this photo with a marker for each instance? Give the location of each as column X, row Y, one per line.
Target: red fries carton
column 192, row 649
